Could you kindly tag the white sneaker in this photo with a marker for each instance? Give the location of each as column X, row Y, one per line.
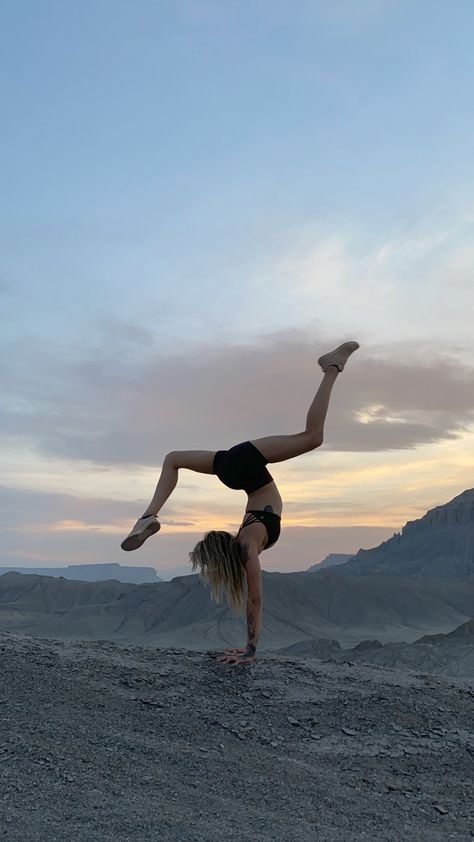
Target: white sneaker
column 339, row 356
column 144, row 527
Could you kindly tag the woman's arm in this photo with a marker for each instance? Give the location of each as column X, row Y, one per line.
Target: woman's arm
column 254, row 597
column 254, row 608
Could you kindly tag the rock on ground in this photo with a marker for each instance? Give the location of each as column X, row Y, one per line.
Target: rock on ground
column 106, row 742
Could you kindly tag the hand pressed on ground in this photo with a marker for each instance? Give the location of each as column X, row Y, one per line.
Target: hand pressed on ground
column 237, row 659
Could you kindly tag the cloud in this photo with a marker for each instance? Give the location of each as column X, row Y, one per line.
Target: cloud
column 124, row 396
column 20, row 507
column 38, row 529
column 407, row 283
column 111, row 410
column 327, row 494
column 26, row 510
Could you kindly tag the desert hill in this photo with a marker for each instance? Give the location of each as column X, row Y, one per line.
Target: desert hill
column 439, row 545
column 92, row 572
column 464, row 632
column 181, row 613
column 331, row 560
column 450, row 654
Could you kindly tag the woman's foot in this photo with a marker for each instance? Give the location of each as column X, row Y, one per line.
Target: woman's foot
column 144, row 527
column 339, row 356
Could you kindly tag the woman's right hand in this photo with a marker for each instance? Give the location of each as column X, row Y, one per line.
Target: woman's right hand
column 238, row 651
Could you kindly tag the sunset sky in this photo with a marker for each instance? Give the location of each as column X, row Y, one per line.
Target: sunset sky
column 197, row 199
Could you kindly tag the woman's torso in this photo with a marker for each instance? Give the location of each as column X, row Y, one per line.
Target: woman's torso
column 243, row 466
column 266, row 496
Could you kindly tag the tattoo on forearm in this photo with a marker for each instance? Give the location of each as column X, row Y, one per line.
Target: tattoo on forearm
column 244, row 553
column 252, row 638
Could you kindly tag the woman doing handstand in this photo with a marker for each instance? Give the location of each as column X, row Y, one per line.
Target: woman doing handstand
column 224, row 560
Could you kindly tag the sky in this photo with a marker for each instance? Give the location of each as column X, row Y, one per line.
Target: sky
column 197, row 199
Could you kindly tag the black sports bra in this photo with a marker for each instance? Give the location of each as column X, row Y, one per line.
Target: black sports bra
column 270, row 520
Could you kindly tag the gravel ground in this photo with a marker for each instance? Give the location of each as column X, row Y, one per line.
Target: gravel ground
column 106, row 742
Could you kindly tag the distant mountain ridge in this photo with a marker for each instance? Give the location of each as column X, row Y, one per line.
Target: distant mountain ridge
column 421, row 581
column 181, row 613
column 331, row 560
column 439, row 545
column 92, row 572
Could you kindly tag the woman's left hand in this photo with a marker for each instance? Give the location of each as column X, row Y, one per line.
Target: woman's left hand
column 238, row 650
column 237, row 658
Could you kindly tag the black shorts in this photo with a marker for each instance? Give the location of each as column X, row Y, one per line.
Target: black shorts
column 242, row 467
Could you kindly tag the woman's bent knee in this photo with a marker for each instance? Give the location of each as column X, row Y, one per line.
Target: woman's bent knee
column 316, row 440
column 171, row 458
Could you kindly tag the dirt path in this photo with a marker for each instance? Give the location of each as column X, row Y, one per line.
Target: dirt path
column 102, row 742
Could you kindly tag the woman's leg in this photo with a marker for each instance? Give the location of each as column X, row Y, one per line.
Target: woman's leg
column 195, row 460
column 280, row 448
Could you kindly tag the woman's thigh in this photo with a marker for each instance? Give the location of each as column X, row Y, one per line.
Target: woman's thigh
column 195, row 460
column 280, row 448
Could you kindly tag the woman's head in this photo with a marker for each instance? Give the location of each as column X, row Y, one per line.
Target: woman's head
column 218, row 558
